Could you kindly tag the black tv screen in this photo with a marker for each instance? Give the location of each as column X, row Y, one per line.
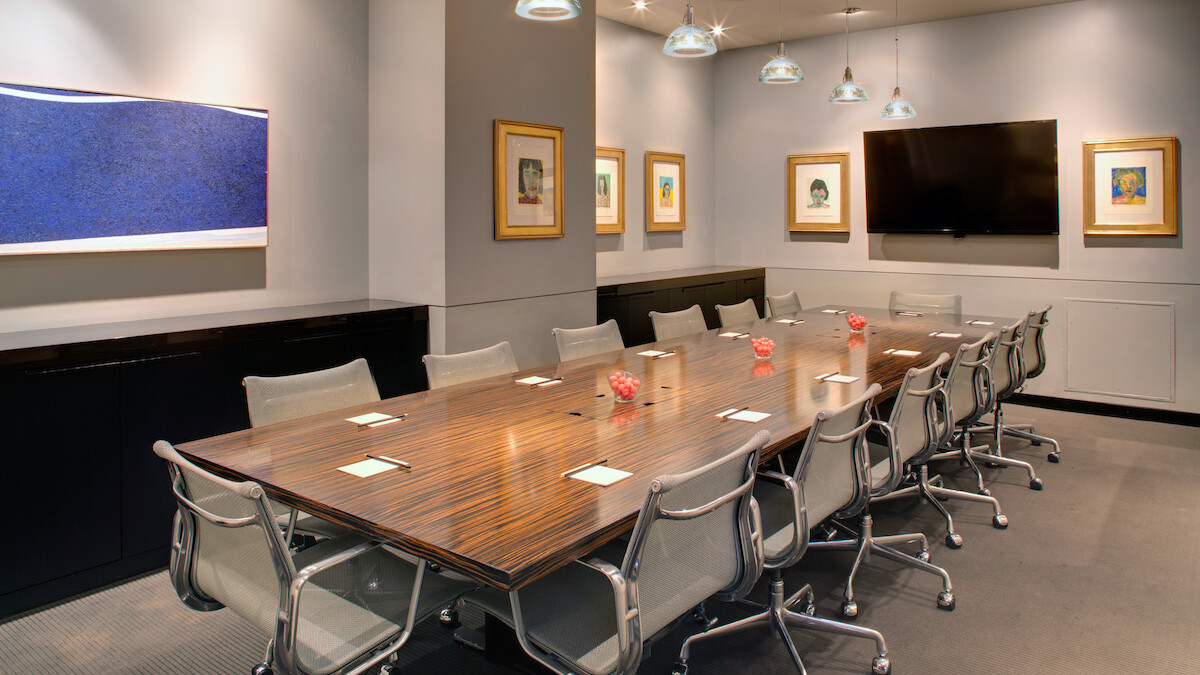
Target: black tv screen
column 976, row 179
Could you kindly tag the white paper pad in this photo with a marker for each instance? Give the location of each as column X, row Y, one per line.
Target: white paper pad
column 373, row 419
column 600, row 475
column 550, row 383
column 946, row 335
column 834, row 311
column 367, row 467
column 844, row 379
column 900, row 352
column 790, row 322
column 734, row 335
column 980, row 323
column 654, row 353
column 533, row 379
column 748, row 416
column 910, row 314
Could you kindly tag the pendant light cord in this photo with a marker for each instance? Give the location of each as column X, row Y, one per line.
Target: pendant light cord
column 896, row 39
column 847, row 13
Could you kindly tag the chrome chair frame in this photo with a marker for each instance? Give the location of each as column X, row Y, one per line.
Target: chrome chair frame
column 1033, row 336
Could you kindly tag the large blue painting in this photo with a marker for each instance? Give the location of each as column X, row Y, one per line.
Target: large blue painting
column 92, row 172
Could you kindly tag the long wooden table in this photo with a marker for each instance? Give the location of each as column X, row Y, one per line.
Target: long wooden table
column 485, row 495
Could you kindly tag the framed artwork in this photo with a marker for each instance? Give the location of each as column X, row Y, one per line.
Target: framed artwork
column 818, row 193
column 1129, row 186
column 528, row 182
column 86, row 172
column 666, row 193
column 610, row 190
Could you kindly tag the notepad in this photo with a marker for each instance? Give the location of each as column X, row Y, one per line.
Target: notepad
column 373, row 419
column 834, row 311
column 743, row 415
column 945, row 335
column 599, row 475
column 901, row 352
column 910, row 314
column 532, row 380
column 843, row 379
column 655, row 354
column 367, row 467
column 976, row 322
column 733, row 335
column 790, row 322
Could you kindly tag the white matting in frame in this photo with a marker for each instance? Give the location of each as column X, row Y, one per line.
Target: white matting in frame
column 530, row 177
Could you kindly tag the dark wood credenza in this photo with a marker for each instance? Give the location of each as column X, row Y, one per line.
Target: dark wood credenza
column 629, row 298
column 83, row 500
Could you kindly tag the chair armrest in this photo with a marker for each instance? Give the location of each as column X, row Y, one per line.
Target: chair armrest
column 893, row 461
column 799, row 522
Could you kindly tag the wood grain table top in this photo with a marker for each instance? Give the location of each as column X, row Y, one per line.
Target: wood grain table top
column 485, row 495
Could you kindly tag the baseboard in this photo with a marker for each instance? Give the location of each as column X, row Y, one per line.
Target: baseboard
column 57, row 590
column 1109, row 409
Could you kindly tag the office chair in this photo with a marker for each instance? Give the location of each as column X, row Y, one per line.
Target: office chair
column 343, row 605
column 828, row 481
column 910, row 430
column 924, row 303
column 695, row 537
column 444, row 370
column 779, row 305
column 270, row 400
column 743, row 312
column 577, row 343
column 1007, row 376
column 1033, row 356
column 670, row 325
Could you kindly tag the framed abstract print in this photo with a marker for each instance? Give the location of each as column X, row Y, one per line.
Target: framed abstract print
column 818, row 196
column 610, row 190
column 1129, row 186
column 528, row 180
column 666, row 192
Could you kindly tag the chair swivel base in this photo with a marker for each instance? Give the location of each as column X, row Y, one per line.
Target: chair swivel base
column 934, row 493
column 779, row 614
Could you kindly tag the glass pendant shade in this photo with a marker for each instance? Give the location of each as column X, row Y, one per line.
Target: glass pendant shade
column 848, row 91
column 898, row 109
column 688, row 41
column 548, row 10
column 781, row 69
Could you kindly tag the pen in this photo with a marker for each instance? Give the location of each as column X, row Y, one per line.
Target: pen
column 826, row 377
column 538, row 384
column 739, row 336
column 386, row 419
column 398, row 462
column 581, row 467
column 659, row 356
column 733, row 412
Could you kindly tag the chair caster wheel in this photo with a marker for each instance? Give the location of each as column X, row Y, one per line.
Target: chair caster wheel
column 261, row 669
column 1052, row 458
column 1000, row 522
column 923, row 556
column 1035, row 444
column 946, row 601
column 954, row 540
column 850, row 609
column 680, row 668
column 1035, row 484
column 389, row 669
column 449, row 617
column 992, row 465
column 881, row 666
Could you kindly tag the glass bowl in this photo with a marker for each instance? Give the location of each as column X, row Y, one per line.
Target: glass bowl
column 624, row 385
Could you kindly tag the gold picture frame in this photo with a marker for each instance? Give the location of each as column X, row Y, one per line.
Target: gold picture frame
column 813, row 211
column 666, row 192
column 528, row 180
column 1129, row 187
column 610, row 190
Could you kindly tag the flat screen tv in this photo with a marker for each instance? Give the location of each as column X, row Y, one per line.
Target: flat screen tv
column 975, row 179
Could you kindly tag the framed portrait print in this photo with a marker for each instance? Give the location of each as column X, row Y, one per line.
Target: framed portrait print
column 610, row 190
column 666, row 194
column 1129, row 186
column 528, row 180
column 818, row 193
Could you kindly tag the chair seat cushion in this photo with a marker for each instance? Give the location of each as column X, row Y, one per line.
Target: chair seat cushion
column 778, row 513
column 881, row 464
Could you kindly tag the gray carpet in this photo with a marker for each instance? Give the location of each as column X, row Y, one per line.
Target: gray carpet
column 1098, row 573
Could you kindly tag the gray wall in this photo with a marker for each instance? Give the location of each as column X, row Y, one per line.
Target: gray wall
column 303, row 60
column 646, row 101
column 1098, row 70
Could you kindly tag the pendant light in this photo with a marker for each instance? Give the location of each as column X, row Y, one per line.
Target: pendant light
column 548, row 10
column 781, row 69
column 848, row 91
column 898, row 109
column 688, row 41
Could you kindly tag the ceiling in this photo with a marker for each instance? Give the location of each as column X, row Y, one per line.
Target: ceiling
column 757, row 22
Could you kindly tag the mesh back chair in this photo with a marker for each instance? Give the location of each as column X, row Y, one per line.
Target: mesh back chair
column 1033, row 355
column 828, row 481
column 278, row 399
column 578, row 343
column 779, row 305
column 695, row 537
column 743, row 312
column 910, row 431
column 965, row 397
column 924, row 303
column 1008, row 374
column 445, row 370
column 343, row 604
column 670, row 325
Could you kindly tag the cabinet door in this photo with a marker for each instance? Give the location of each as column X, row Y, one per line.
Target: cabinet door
column 752, row 288
column 686, row 296
column 177, row 398
column 394, row 354
column 723, row 293
column 60, row 494
column 641, row 331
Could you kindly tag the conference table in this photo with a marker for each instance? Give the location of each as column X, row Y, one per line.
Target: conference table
column 485, row 494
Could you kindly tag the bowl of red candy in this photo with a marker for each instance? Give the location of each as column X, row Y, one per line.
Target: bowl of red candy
column 763, row 346
column 857, row 323
column 624, row 385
